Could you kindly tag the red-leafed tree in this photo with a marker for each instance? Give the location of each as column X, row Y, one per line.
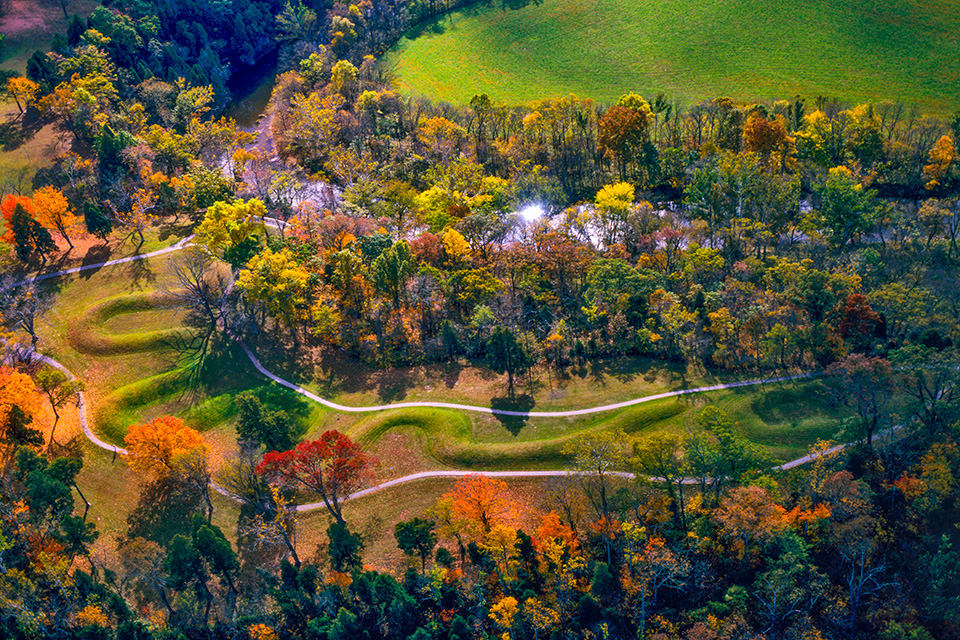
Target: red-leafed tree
column 859, row 323
column 866, row 385
column 333, row 467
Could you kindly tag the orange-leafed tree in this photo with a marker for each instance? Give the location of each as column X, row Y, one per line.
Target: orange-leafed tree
column 552, row 528
column 19, row 403
column 481, row 503
column 167, row 448
column 749, row 516
column 155, row 447
column 769, row 139
column 332, row 467
column 53, row 211
column 23, row 91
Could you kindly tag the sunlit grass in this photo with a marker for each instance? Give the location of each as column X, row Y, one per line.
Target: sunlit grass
column 690, row 50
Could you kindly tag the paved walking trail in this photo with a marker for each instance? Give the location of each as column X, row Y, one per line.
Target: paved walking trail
column 140, row 256
column 88, row 432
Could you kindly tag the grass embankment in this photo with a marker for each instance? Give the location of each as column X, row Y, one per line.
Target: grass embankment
column 116, row 327
column 690, row 49
column 113, row 327
column 785, row 419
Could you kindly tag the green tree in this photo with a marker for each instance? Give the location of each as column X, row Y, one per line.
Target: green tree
column 416, row 536
column 846, row 208
column 938, row 576
column 506, row 355
column 736, row 457
column 345, row 547
column 96, row 222
column 185, row 568
column 216, row 551
column 29, row 236
column 273, row 429
column 391, row 269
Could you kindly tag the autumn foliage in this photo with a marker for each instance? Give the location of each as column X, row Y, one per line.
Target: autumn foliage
column 7, row 208
column 482, row 502
column 17, row 389
column 159, row 446
column 332, row 466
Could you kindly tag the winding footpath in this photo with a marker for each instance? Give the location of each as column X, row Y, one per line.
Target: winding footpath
column 91, row 436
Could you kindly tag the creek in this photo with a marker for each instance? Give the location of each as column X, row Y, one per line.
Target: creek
column 251, row 88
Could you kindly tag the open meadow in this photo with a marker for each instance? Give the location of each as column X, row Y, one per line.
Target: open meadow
column 691, row 50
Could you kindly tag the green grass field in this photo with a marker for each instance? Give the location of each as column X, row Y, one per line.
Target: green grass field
column 689, row 49
column 113, row 327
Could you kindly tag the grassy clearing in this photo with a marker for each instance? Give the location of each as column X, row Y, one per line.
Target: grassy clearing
column 783, row 418
column 24, row 148
column 31, row 24
column 689, row 49
column 329, row 374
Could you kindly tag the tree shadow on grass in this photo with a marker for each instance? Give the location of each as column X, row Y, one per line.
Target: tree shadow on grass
column 95, row 254
column 513, row 5
column 519, row 404
column 786, row 402
column 18, row 131
column 178, row 230
column 139, row 274
column 165, row 509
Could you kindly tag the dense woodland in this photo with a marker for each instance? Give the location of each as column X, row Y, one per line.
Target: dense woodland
column 800, row 235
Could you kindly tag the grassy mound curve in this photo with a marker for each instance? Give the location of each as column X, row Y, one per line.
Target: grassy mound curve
column 89, row 333
column 457, row 440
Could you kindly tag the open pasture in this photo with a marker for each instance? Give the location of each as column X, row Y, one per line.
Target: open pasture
column 691, row 50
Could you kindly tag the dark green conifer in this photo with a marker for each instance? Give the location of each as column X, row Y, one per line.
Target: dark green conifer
column 29, row 235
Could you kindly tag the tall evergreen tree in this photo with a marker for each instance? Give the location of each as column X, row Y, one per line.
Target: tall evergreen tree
column 96, row 222
column 29, row 235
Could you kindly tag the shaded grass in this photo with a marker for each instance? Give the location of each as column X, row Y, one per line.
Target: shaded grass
column 690, row 49
column 606, row 381
column 790, row 419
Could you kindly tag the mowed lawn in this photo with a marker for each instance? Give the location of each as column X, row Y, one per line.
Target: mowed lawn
column 859, row 51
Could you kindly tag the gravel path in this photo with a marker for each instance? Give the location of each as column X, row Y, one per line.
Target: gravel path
column 88, row 432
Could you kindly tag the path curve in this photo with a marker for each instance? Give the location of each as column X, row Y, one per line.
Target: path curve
column 181, row 244
column 446, row 473
column 504, row 412
column 185, row 242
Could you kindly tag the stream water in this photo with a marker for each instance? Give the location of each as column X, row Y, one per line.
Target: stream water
column 251, row 88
